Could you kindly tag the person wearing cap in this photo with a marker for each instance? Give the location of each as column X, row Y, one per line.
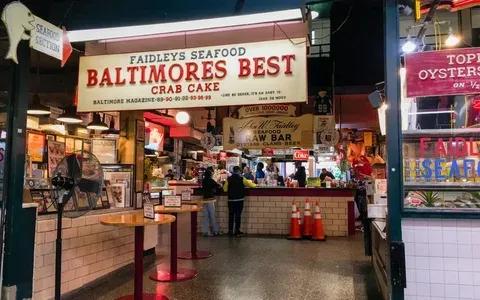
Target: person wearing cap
column 235, row 188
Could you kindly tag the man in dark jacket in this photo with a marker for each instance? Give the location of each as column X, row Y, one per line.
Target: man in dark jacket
column 300, row 175
column 235, row 188
column 209, row 188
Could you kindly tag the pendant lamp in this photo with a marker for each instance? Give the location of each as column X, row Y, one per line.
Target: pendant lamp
column 70, row 116
column 36, row 108
column 97, row 123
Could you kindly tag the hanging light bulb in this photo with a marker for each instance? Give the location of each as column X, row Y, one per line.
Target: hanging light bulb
column 182, row 117
column 70, row 116
column 452, row 39
column 409, row 46
column 36, row 108
column 97, row 123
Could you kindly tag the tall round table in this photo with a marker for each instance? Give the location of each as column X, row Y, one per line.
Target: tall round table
column 194, row 253
column 136, row 219
column 174, row 273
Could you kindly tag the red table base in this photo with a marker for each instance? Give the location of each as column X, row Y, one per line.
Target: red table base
column 145, row 297
column 165, row 275
column 200, row 254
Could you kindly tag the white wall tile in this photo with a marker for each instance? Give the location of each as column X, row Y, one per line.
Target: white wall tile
column 451, row 277
column 410, row 273
column 408, row 235
column 409, row 249
column 436, row 263
column 450, row 236
column 476, row 236
column 476, row 292
column 464, row 224
column 466, row 292
column 451, row 263
column 476, row 278
column 465, row 250
column 435, row 236
column 435, row 249
column 476, row 251
column 410, row 297
column 422, row 276
column 449, row 223
column 421, row 236
column 421, row 249
column 410, row 262
column 452, row 291
column 464, row 237
column 436, row 276
column 476, row 264
column 423, row 289
column 422, row 263
column 450, row 250
column 437, row 290
column 465, row 278
column 465, row 264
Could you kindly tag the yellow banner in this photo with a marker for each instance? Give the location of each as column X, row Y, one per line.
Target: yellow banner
column 275, row 132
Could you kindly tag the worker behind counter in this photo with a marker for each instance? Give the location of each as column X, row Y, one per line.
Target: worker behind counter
column 326, row 174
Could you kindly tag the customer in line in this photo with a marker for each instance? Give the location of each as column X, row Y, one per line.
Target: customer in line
column 259, row 174
column 209, row 188
column 235, row 188
column 301, row 175
column 247, row 174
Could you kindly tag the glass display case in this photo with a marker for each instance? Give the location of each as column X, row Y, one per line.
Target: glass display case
column 441, row 149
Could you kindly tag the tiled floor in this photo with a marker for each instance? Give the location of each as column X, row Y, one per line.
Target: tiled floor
column 261, row 268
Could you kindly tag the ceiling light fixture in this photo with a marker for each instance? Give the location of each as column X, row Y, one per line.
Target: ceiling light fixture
column 409, row 46
column 36, row 108
column 97, row 123
column 70, row 116
column 452, row 39
column 182, row 117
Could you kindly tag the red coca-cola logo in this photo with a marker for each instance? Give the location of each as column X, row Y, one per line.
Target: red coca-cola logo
column 301, row 155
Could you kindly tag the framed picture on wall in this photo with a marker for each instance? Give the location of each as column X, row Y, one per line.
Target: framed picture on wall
column 81, row 199
column 140, row 130
column 35, row 146
column 69, row 145
column 105, row 150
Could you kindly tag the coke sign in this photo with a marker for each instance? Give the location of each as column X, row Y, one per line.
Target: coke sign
column 301, row 154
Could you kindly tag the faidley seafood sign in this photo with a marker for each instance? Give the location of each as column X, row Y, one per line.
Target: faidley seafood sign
column 239, row 74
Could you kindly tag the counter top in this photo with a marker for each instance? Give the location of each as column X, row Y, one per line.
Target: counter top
column 301, row 192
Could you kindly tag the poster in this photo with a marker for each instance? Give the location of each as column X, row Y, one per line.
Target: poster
column 237, row 74
column 172, row 201
column 154, row 136
column 325, row 134
column 274, row 132
column 105, row 150
column 55, row 153
column 35, row 146
column 69, row 145
column 116, row 194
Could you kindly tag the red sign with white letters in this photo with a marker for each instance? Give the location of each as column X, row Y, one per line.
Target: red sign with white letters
column 446, row 72
column 301, row 154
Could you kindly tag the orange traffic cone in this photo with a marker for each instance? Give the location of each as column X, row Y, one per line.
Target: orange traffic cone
column 295, row 232
column 318, row 233
column 307, row 220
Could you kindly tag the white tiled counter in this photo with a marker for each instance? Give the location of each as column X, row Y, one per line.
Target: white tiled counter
column 90, row 251
column 268, row 210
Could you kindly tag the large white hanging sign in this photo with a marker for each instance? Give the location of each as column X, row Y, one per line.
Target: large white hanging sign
column 44, row 37
column 238, row 74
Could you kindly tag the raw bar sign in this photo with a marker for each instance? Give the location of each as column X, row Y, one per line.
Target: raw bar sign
column 275, row 132
column 446, row 72
column 252, row 73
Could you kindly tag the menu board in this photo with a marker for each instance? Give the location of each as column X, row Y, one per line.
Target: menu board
column 55, row 153
column 35, row 146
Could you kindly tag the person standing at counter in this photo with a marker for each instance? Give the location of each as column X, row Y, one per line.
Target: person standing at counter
column 235, row 188
column 301, row 175
column 260, row 174
column 247, row 173
column 326, row 174
column 209, row 188
column 170, row 175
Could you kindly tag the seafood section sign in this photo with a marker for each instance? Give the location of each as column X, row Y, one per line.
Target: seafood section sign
column 44, row 37
column 446, row 72
column 237, row 74
column 274, row 132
